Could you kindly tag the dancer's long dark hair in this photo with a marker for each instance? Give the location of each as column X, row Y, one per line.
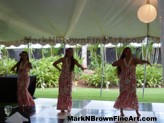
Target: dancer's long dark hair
column 72, row 65
column 122, row 57
column 20, row 60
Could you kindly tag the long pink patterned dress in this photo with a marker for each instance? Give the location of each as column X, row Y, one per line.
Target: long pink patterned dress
column 65, row 88
column 23, row 96
column 127, row 98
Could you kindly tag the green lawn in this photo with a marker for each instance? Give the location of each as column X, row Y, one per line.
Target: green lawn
column 151, row 94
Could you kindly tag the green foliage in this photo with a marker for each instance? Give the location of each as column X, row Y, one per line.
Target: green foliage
column 55, row 51
column 96, row 78
column 153, row 75
column 5, row 66
column 111, row 75
column 4, row 52
column 77, row 70
column 147, row 50
column 47, row 75
column 95, row 59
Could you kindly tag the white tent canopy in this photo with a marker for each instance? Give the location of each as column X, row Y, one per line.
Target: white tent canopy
column 54, row 21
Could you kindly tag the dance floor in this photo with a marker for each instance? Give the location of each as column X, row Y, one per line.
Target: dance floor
column 93, row 111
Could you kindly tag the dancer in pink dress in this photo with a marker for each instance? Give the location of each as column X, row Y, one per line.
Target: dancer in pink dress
column 126, row 70
column 65, row 80
column 23, row 67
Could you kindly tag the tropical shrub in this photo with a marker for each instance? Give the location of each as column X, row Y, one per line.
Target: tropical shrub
column 6, row 65
column 47, row 75
column 97, row 78
column 153, row 76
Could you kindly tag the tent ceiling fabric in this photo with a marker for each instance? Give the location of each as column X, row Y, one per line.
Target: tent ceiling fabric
column 72, row 19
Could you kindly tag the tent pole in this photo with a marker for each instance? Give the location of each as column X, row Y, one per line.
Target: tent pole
column 147, row 40
column 28, row 45
column 84, row 55
column 102, row 76
column 64, row 48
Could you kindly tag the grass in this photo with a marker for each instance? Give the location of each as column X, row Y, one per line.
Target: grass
column 155, row 95
column 151, row 94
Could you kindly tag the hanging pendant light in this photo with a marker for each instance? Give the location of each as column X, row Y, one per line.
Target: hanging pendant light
column 147, row 13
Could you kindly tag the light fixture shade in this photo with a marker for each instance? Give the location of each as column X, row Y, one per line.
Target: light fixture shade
column 147, row 13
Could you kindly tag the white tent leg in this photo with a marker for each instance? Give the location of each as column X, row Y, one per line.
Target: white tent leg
column 147, row 41
column 29, row 55
column 84, row 55
column 102, row 80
